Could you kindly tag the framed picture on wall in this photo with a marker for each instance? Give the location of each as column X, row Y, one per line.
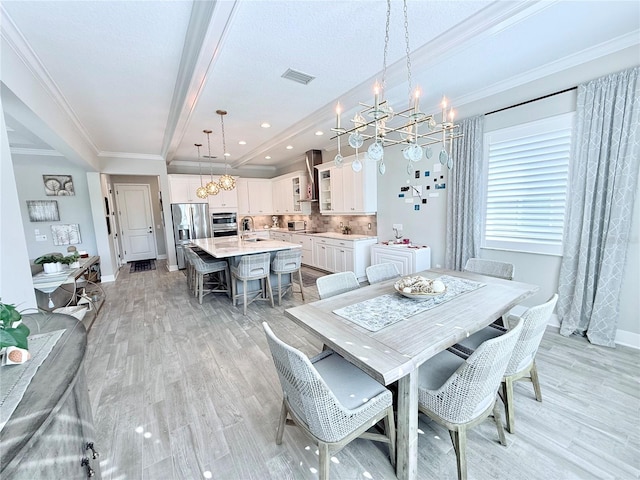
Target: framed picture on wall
column 43, row 210
column 58, row 185
column 66, row 234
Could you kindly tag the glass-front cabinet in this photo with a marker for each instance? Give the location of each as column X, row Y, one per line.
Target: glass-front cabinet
column 345, row 192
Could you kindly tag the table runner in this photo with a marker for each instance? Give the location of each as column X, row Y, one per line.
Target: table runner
column 14, row 379
column 380, row 312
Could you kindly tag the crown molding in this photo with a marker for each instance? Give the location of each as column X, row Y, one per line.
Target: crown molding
column 35, row 152
column 133, row 156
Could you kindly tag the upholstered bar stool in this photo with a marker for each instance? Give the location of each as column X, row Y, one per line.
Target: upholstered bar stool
column 252, row 267
column 210, row 267
column 287, row 262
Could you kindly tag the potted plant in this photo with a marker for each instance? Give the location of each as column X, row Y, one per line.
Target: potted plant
column 51, row 262
column 72, row 260
column 13, row 334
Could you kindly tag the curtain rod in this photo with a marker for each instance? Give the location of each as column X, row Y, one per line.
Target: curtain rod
column 533, row 100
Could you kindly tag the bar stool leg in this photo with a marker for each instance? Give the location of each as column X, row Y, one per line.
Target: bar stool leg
column 270, row 291
column 300, row 279
column 244, row 286
column 279, row 289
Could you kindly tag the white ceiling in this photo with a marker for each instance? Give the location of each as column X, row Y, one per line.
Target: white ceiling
column 142, row 79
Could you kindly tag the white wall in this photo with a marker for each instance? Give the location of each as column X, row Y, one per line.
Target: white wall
column 73, row 209
column 426, row 226
column 15, row 275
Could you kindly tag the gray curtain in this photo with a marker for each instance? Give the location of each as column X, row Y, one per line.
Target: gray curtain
column 464, row 195
column 603, row 182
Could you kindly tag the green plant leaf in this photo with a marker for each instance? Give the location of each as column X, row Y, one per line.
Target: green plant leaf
column 14, row 337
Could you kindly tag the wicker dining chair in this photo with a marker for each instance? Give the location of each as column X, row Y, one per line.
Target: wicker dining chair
column 460, row 393
column 331, row 400
column 381, row 272
column 522, row 365
column 252, row 267
column 287, row 262
column 493, row 268
column 336, row 283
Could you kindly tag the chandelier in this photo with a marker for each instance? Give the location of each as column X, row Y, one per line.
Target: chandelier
column 227, row 182
column 212, row 187
column 410, row 127
column 201, row 191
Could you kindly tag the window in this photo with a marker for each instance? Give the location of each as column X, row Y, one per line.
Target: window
column 527, row 176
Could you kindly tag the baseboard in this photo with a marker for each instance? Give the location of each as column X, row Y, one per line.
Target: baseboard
column 623, row 337
column 162, row 257
column 107, row 278
column 172, row 268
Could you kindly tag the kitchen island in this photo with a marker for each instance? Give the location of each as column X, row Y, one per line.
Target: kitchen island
column 233, row 249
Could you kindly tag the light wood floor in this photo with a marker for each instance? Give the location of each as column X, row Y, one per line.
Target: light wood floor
column 188, row 391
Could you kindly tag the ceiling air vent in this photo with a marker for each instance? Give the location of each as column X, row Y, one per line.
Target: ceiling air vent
column 296, row 76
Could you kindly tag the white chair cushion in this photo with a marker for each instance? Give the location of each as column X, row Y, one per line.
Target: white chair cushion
column 351, row 386
column 437, row 370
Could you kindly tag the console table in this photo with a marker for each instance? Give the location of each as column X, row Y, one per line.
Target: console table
column 72, row 286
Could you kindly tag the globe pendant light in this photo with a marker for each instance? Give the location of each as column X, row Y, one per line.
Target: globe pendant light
column 201, row 191
column 212, row 187
column 227, row 182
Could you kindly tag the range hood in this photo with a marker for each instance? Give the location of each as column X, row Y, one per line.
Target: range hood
column 312, row 158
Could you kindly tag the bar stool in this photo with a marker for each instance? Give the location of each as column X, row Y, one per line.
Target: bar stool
column 287, row 262
column 209, row 266
column 252, row 267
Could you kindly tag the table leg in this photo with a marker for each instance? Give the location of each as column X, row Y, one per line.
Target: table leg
column 407, row 439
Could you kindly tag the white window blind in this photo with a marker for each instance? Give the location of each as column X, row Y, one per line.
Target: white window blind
column 527, row 176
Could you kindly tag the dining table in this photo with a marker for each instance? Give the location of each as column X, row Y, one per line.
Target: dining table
column 389, row 336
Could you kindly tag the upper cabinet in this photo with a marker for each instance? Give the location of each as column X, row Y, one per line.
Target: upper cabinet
column 345, row 192
column 288, row 191
column 182, row 188
column 255, row 196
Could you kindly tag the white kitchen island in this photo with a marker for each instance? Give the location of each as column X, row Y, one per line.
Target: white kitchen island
column 233, row 248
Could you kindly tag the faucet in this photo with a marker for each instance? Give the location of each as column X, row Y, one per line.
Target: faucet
column 249, row 220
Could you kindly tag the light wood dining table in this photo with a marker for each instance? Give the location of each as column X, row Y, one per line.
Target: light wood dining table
column 394, row 353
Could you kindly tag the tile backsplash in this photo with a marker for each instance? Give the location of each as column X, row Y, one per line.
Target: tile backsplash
column 333, row 223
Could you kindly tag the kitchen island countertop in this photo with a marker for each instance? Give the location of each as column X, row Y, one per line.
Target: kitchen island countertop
column 223, row 248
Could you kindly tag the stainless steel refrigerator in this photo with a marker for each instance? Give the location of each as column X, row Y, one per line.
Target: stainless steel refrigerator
column 190, row 220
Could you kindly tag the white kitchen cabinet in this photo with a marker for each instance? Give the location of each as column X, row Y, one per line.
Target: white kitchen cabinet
column 282, row 236
column 224, row 201
column 408, row 260
column 341, row 255
column 182, row 188
column 306, row 242
column 288, row 191
column 345, row 192
column 255, row 196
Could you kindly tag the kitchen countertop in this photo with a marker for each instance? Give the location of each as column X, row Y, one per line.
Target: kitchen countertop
column 336, row 235
column 223, row 248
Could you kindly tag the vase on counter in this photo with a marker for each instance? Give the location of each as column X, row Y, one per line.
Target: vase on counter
column 52, row 267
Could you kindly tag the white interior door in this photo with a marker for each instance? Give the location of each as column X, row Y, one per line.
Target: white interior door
column 136, row 221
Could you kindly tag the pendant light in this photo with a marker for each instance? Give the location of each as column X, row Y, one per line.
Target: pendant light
column 227, row 182
column 212, row 187
column 201, row 191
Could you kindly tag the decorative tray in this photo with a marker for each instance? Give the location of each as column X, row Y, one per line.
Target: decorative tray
column 419, row 288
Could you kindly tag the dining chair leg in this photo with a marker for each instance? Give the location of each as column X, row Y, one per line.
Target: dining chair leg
column 459, row 439
column 281, row 423
column 233, row 290
column 390, row 429
column 325, row 461
column 533, row 372
column 498, row 420
column 300, row 280
column 507, row 394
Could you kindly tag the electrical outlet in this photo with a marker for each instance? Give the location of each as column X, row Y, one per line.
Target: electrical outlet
column 37, row 231
column 369, row 226
column 340, row 224
column 397, row 226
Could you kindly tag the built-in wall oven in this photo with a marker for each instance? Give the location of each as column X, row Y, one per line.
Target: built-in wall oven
column 224, row 224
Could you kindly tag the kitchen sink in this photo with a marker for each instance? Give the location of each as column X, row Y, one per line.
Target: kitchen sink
column 254, row 239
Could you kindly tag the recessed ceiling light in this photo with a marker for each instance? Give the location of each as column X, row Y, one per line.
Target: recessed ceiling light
column 227, row 154
column 319, row 132
column 242, row 142
column 267, row 157
column 265, row 125
column 289, row 147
